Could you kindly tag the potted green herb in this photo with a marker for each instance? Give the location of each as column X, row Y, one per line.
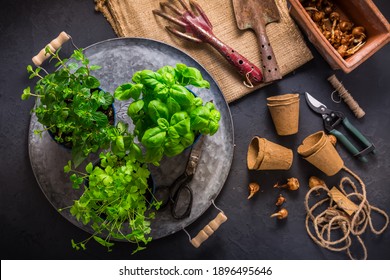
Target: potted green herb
column 117, row 201
column 168, row 116
column 71, row 106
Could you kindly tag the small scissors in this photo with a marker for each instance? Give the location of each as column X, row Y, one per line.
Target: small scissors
column 180, row 191
column 334, row 118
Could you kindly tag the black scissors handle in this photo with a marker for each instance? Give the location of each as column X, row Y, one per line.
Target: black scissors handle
column 176, row 191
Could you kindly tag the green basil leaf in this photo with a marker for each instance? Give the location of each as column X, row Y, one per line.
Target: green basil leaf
column 172, row 132
column 149, row 78
column 190, row 75
column 163, row 124
column 127, row 91
column 135, row 109
column 198, row 101
column 173, row 148
column 210, row 105
column 157, row 109
column 188, row 139
column 153, row 137
column 154, row 155
column 119, row 142
column 173, row 106
column 215, row 115
column 213, row 127
column 181, row 122
column 200, row 118
column 161, row 91
column 136, row 151
column 169, row 78
column 167, row 69
column 182, row 96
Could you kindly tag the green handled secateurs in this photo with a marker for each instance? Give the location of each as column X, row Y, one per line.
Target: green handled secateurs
column 334, row 118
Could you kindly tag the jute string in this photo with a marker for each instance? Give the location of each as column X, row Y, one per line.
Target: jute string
column 323, row 226
column 346, row 96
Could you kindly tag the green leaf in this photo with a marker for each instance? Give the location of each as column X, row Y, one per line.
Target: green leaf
column 73, row 66
column 68, row 167
column 92, row 82
column 194, row 77
column 103, row 242
column 182, row 96
column 95, row 67
column 188, row 139
column 89, row 168
column 29, row 69
column 75, row 245
column 163, row 124
column 26, row 93
column 127, row 91
column 135, row 108
column 78, row 54
column 157, row 109
column 180, row 121
column 172, row 105
column 213, row 127
column 167, row 70
column 173, row 148
column 119, row 142
column 153, row 137
column 200, row 118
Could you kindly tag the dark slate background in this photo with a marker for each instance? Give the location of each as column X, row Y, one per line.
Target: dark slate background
column 32, row 229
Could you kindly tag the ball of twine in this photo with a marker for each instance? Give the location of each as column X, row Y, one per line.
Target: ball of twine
column 323, row 225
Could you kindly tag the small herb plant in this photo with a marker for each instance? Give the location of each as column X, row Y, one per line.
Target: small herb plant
column 166, row 115
column 70, row 104
column 117, row 196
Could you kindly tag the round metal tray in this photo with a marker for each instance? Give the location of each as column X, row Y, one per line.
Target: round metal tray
column 119, row 59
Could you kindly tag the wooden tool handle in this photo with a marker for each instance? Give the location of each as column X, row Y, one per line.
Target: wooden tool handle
column 208, row 230
column 53, row 45
column 271, row 71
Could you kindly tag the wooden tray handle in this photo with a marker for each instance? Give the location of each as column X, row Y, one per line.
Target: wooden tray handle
column 208, row 230
column 53, row 45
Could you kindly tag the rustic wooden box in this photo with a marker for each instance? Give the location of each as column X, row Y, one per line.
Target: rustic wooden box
column 360, row 12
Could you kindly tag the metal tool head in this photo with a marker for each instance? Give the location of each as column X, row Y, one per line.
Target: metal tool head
column 246, row 10
column 317, row 106
column 194, row 157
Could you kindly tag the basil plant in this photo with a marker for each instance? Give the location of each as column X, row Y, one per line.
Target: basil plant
column 168, row 116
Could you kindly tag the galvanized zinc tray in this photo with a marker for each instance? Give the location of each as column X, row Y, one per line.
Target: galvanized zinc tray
column 119, row 59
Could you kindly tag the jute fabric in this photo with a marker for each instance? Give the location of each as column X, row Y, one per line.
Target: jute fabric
column 134, row 18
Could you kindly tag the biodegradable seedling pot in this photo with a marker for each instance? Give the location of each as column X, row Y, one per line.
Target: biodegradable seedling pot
column 319, row 151
column 284, row 111
column 266, row 155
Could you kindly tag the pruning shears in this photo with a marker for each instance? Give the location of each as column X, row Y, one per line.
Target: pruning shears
column 179, row 194
column 332, row 119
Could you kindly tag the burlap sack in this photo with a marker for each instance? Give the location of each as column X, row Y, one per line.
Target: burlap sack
column 135, row 19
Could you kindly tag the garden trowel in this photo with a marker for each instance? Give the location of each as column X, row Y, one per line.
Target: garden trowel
column 256, row 14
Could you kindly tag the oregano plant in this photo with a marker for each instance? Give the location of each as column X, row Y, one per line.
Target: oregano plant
column 70, row 105
column 117, row 201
